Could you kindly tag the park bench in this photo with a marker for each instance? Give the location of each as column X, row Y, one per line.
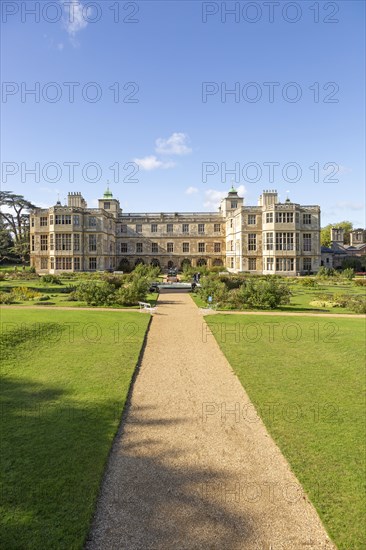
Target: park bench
column 144, row 306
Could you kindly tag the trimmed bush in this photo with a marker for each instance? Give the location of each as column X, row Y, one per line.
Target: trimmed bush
column 51, row 279
column 25, row 294
column 96, row 294
column 133, row 292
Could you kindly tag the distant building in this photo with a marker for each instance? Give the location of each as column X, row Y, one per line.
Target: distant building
column 271, row 237
column 338, row 252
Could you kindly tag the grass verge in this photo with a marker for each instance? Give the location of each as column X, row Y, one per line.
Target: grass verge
column 65, row 379
column 306, row 378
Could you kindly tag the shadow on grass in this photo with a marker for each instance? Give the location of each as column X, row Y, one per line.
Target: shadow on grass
column 151, row 499
column 53, row 455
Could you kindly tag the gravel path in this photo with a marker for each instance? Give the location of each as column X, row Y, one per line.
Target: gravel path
column 186, row 473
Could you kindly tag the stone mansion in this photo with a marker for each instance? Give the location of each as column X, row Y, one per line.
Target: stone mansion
column 271, row 237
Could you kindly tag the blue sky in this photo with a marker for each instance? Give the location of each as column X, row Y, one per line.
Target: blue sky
column 186, row 136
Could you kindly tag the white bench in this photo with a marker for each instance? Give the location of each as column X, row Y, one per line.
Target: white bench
column 144, row 306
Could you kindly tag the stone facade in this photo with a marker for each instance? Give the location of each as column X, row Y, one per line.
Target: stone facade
column 271, row 237
column 339, row 251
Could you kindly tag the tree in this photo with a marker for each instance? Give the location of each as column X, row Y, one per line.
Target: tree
column 6, row 242
column 325, row 232
column 15, row 220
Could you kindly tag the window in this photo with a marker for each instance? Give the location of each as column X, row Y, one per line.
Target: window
column 201, row 247
column 297, row 217
column 154, row 247
column 252, row 264
column 297, row 241
column 170, row 247
column 154, row 228
column 107, row 206
column 123, row 228
column 252, row 241
column 269, row 217
column 62, row 219
column 284, row 217
column 51, row 220
column 231, row 245
column 64, row 264
column 92, row 263
column 76, row 242
column 269, row 241
column 234, row 204
column 51, row 242
column 33, row 246
column 63, row 241
column 44, row 242
column 217, row 247
column 123, row 248
column 217, row 227
column 92, row 243
column 92, row 221
column 76, row 264
column 269, row 264
column 252, row 219
column 185, row 227
column 169, row 228
column 284, row 264
column 307, row 264
column 185, row 247
column 32, row 222
column 138, row 228
column 52, row 263
column 231, row 262
column 76, row 220
column 306, row 219
column 43, row 221
column 44, row 263
column 138, row 248
column 201, row 228
column 306, row 238
column 231, row 223
column 284, row 241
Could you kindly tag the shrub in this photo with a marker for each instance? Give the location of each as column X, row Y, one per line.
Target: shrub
column 212, row 286
column 133, row 292
column 25, row 294
column 96, row 294
column 266, row 293
column 308, row 282
column 115, row 280
column 32, row 269
column 358, row 305
column 348, row 273
column 2, row 276
column 327, row 272
column 51, row 279
column 6, row 298
column 360, row 282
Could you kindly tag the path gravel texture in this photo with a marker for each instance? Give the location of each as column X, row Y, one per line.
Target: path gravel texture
column 192, row 466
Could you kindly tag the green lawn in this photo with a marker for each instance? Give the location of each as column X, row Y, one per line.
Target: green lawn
column 65, row 378
column 306, row 378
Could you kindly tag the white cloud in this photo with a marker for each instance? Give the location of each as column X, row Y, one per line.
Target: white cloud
column 173, row 145
column 75, row 18
column 152, row 163
column 214, row 197
column 60, row 46
column 191, row 190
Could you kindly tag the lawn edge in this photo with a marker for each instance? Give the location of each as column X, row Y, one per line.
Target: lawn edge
column 118, row 434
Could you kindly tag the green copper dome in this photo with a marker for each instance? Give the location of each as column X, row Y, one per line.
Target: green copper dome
column 108, row 194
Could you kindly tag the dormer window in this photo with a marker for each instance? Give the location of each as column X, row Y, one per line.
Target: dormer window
column 107, row 206
column 234, row 204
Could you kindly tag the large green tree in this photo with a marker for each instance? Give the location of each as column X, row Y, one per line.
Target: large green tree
column 14, row 214
column 325, row 236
